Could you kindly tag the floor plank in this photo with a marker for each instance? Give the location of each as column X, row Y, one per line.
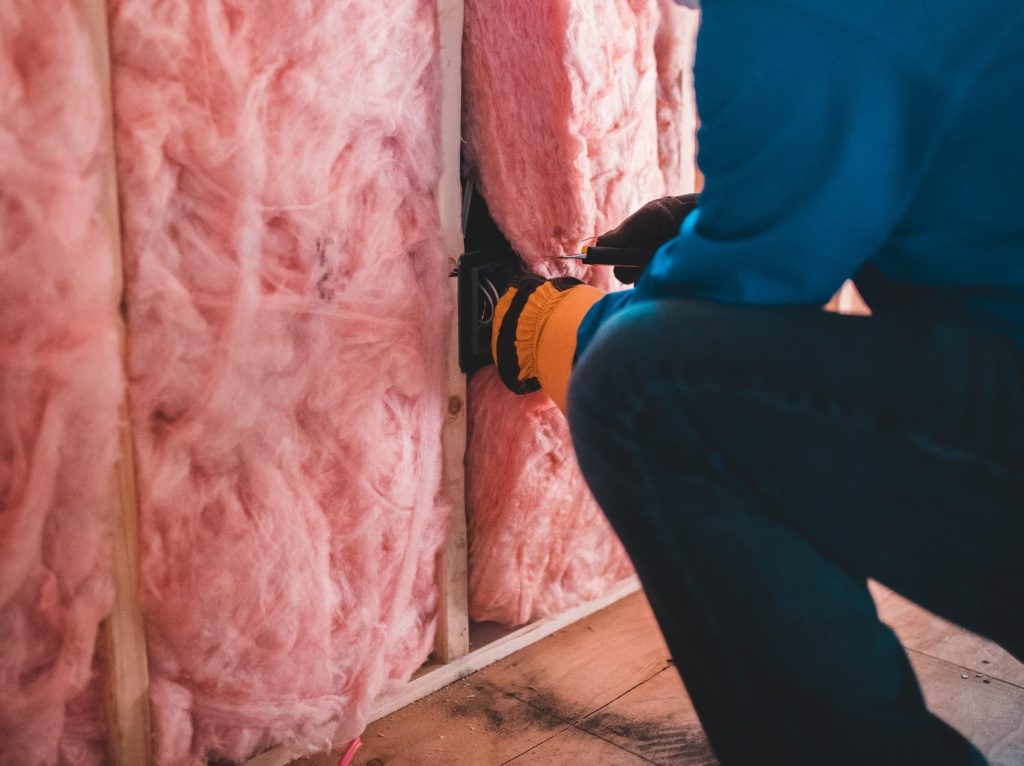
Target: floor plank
column 574, row 746
column 603, row 691
column 469, row 723
column 986, row 710
column 510, row 707
column 580, row 668
column 922, row 631
column 655, row 720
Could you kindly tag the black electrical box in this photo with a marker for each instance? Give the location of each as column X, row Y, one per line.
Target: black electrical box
column 483, row 276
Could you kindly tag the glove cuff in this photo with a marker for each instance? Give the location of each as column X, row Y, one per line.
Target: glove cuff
column 533, row 301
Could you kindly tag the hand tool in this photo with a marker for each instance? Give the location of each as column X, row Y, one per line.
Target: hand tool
column 596, row 255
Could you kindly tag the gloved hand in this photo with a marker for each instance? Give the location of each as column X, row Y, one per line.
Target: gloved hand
column 533, row 335
column 648, row 228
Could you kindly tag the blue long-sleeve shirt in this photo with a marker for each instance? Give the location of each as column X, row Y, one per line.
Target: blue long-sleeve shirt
column 876, row 139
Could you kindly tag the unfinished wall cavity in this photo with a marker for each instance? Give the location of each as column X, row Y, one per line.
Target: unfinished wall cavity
column 577, row 113
column 286, row 305
column 287, row 311
column 60, row 385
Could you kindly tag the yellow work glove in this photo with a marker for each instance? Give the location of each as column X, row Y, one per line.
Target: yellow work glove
column 534, row 333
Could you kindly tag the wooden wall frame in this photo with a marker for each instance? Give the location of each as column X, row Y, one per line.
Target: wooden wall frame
column 127, row 694
column 452, row 638
column 460, row 648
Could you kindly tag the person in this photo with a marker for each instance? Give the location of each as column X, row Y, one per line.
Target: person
column 761, row 458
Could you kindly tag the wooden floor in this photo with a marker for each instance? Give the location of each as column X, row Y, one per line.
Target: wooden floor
column 603, row 692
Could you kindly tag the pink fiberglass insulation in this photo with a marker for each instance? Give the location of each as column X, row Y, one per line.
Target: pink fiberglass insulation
column 538, row 542
column 287, row 313
column 577, row 112
column 60, row 385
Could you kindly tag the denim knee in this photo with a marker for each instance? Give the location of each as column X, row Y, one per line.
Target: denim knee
column 617, row 362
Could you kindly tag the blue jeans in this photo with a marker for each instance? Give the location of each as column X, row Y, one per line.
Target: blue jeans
column 759, row 464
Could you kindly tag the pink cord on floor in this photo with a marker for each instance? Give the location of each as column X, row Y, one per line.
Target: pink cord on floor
column 351, row 752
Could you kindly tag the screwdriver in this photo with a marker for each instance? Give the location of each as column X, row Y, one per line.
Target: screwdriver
column 596, row 255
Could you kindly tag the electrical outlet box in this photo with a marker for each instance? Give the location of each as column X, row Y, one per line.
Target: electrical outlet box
column 483, row 276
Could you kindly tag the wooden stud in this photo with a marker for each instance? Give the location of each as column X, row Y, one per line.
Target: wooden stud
column 452, row 638
column 128, row 713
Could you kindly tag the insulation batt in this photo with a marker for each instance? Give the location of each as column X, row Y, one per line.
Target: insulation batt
column 287, row 306
column 577, row 113
column 61, row 385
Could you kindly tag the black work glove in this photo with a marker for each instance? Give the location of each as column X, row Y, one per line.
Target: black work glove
column 648, row 228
